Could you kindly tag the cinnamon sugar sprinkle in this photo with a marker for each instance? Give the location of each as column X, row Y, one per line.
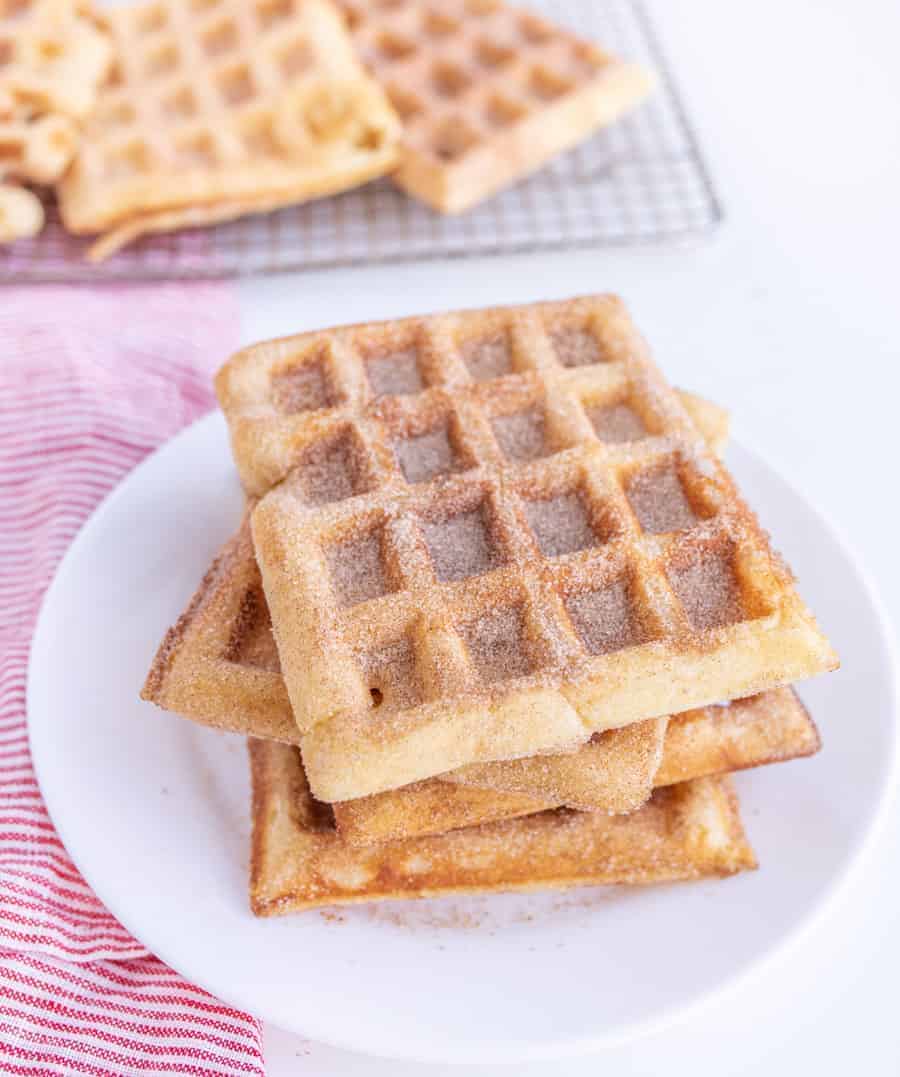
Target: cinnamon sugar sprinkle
column 561, row 524
column 331, row 470
column 304, row 387
column 708, row 590
column 357, row 569
column 461, row 546
column 395, row 374
column 487, row 357
column 496, row 644
column 605, row 619
column 659, row 501
column 617, row 423
column 522, row 436
column 575, row 347
column 427, row 455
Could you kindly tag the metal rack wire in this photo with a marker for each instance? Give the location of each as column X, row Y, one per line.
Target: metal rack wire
column 641, row 181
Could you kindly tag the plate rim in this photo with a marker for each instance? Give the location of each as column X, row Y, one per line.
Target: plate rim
column 501, row 1051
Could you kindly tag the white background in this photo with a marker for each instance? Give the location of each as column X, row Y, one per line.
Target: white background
column 789, row 316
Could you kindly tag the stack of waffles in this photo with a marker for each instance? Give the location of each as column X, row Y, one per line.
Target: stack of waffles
column 491, row 591
column 213, row 109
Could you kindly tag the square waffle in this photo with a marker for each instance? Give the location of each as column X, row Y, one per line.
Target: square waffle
column 216, row 102
column 772, row 727
column 487, row 93
column 219, row 665
column 298, row 860
column 469, row 562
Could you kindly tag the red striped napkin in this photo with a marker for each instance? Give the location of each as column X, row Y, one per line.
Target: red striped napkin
column 90, row 382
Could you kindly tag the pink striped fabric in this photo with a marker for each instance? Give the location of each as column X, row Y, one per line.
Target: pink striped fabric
column 90, row 382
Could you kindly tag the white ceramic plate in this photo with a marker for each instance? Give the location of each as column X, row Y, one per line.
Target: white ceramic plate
column 154, row 812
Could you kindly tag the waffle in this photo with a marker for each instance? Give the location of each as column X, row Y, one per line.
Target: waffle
column 225, row 102
column 38, row 150
column 21, row 214
column 298, row 861
column 219, row 665
column 53, row 56
column 769, row 728
column 487, row 94
column 501, row 533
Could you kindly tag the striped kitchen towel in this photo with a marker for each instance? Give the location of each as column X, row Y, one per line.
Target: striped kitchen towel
column 90, row 383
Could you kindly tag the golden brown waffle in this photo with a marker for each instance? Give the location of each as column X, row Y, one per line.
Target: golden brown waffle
column 487, row 93
column 217, row 101
column 219, row 665
column 226, row 631
column 689, row 831
column 468, row 563
column 769, row 728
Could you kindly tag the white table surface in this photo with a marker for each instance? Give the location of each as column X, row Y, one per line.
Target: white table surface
column 791, row 317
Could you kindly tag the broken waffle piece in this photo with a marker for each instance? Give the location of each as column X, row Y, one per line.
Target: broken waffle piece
column 53, row 56
column 222, row 108
column 423, row 626
column 21, row 214
column 298, row 860
column 487, row 93
column 772, row 727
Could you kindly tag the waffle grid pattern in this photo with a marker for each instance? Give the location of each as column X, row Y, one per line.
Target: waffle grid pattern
column 487, row 92
column 527, row 566
column 641, row 180
column 209, row 100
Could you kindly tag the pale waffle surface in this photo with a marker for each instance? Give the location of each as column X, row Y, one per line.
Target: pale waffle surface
column 487, row 93
column 298, row 861
column 53, row 56
column 215, row 102
column 772, row 727
column 219, row 665
column 469, row 563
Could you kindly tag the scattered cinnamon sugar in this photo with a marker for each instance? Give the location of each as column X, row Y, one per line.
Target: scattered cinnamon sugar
column 488, row 357
column 575, row 346
column 496, row 645
column 617, row 423
column 659, row 501
column 560, row 524
column 425, row 457
column 708, row 590
column 522, row 436
column 461, row 546
column 604, row 619
column 331, row 470
column 357, row 569
column 303, row 387
column 395, row 374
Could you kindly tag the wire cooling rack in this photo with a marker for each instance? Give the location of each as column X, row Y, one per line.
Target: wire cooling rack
column 640, row 181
